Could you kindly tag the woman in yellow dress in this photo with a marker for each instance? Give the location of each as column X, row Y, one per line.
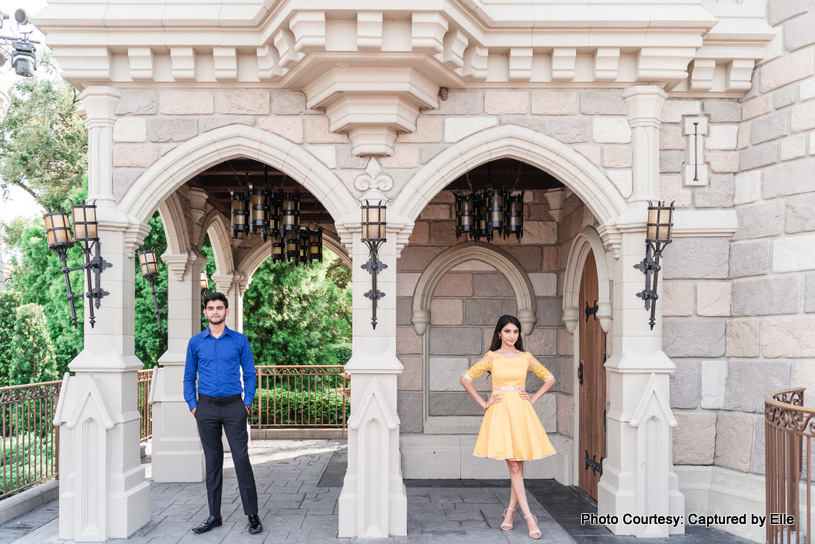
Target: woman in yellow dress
column 511, row 430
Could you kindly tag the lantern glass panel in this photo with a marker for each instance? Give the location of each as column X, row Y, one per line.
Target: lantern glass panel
column 57, row 230
column 278, row 247
column 659, row 222
column 84, row 216
column 373, row 221
column 204, row 280
column 514, row 221
column 148, row 264
column 260, row 212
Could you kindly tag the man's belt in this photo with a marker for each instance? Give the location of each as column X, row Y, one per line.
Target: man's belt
column 219, row 401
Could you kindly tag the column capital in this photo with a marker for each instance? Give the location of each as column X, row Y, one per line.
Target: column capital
column 99, row 105
column 180, row 263
column 644, row 105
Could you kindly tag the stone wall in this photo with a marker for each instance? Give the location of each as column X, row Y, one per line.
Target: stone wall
column 738, row 320
column 467, row 303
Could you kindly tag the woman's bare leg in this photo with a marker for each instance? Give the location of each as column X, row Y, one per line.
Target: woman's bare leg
column 513, row 502
column 516, row 476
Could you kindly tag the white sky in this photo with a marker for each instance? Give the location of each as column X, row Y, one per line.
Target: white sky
column 18, row 201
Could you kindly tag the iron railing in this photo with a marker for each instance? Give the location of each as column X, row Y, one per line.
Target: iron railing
column 29, row 441
column 789, row 429
column 145, row 381
column 300, row 396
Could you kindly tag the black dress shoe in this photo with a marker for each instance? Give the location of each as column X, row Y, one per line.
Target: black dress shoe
column 255, row 526
column 208, row 525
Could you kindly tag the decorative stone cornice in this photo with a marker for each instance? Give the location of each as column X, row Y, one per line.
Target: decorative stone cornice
column 462, row 43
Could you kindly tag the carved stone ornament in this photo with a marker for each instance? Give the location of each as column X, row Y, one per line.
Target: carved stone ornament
column 374, row 182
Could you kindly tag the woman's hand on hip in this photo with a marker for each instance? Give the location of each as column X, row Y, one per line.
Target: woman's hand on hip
column 525, row 396
column 494, row 399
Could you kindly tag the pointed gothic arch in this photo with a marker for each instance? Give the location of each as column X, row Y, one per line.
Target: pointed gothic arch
column 512, row 141
column 501, row 260
column 586, row 240
column 175, row 168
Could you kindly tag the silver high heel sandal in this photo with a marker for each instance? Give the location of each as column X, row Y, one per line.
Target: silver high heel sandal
column 507, row 526
column 536, row 534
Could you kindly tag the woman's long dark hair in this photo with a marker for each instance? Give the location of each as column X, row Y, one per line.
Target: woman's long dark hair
column 496, row 337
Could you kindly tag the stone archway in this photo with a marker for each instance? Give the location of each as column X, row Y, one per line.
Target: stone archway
column 438, row 267
column 175, row 168
column 544, row 152
column 587, row 240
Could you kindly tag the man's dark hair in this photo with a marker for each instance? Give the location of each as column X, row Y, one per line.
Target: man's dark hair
column 216, row 296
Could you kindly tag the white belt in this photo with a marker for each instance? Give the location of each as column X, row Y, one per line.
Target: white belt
column 508, row 388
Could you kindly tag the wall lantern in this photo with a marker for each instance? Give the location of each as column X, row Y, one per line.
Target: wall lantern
column 658, row 235
column 60, row 239
column 373, row 235
column 204, row 284
column 149, row 271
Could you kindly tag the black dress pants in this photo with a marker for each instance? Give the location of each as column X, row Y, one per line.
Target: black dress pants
column 232, row 418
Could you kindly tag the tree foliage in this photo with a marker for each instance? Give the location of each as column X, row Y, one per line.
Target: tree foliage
column 150, row 343
column 299, row 315
column 9, row 300
column 33, row 357
column 43, row 142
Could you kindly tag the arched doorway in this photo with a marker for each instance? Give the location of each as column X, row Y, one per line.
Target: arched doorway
column 591, row 375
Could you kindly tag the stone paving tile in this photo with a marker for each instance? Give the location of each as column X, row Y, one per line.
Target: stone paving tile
column 299, row 484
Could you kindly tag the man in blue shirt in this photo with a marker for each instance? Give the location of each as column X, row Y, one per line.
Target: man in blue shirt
column 217, row 355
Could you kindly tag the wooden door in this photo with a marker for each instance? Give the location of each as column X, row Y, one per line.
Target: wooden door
column 592, row 382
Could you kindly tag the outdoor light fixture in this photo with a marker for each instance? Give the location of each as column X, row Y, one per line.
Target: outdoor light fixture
column 658, row 235
column 149, row 271
column 491, row 212
column 85, row 232
column 20, row 49
column 240, row 213
column 373, row 235
column 204, row 283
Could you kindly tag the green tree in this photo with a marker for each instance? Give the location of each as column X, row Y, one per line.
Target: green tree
column 36, row 274
column 33, row 353
column 150, row 343
column 296, row 315
column 9, row 300
column 43, row 142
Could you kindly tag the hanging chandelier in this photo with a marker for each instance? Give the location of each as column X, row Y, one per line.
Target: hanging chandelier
column 490, row 212
column 275, row 216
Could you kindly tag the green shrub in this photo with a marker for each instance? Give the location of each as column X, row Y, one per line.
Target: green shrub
column 288, row 407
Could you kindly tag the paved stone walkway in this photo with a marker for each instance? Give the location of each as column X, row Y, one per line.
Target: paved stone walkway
column 299, row 482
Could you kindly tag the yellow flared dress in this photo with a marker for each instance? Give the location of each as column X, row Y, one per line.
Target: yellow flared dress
column 511, row 429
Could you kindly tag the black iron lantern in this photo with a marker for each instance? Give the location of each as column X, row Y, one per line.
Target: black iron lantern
column 240, row 213
column 315, row 245
column 290, row 212
column 465, row 215
column 149, row 271
column 494, row 210
column 259, row 213
column 302, row 257
column 204, row 283
column 480, row 204
column 278, row 247
column 657, row 236
column 58, row 234
column 86, row 233
column 291, row 246
column 514, row 216
column 374, row 225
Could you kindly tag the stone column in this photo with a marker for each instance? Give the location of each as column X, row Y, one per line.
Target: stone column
column 638, row 477
column 177, row 453
column 103, row 492
column 373, row 502
column 233, row 285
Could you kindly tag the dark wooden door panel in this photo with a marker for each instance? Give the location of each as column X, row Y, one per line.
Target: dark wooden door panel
column 592, row 439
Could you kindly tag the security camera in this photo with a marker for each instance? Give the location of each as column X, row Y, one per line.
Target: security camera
column 24, row 58
column 21, row 17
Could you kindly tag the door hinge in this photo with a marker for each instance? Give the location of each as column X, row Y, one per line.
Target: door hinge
column 593, row 464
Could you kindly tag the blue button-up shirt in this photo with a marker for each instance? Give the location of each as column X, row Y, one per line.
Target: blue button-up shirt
column 217, row 362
